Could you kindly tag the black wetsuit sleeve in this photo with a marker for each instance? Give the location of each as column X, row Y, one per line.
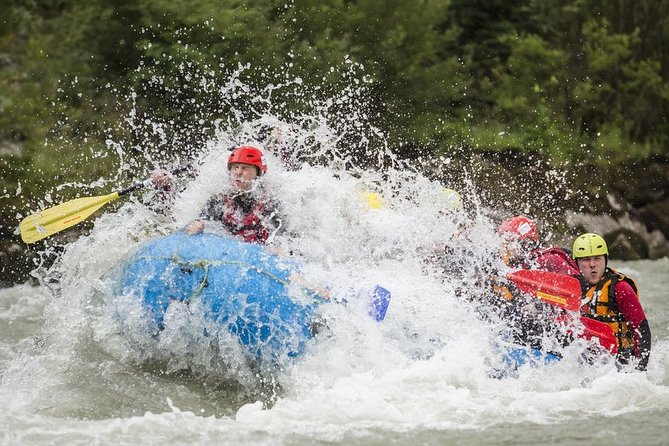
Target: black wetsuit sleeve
column 644, row 345
column 213, row 209
column 272, row 219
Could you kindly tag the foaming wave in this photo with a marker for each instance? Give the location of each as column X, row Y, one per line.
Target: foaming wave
column 430, row 363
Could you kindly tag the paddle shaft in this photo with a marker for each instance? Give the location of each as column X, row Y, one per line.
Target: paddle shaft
column 147, row 182
column 52, row 220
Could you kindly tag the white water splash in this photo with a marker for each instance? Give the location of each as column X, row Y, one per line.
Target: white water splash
column 427, row 366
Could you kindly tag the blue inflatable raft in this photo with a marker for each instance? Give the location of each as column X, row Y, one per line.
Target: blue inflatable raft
column 239, row 286
column 516, row 357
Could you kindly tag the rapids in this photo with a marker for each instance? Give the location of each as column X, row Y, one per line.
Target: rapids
column 74, row 372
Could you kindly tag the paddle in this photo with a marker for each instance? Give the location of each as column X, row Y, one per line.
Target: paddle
column 556, row 289
column 379, row 300
column 602, row 331
column 52, row 220
column 564, row 292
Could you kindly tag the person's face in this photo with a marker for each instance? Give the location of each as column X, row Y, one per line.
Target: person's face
column 242, row 175
column 592, row 268
column 516, row 250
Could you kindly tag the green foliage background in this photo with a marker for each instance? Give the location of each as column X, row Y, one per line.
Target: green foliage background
column 575, row 81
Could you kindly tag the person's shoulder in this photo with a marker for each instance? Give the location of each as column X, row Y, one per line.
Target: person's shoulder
column 554, row 254
column 218, row 200
column 624, row 287
column 266, row 199
column 555, row 251
column 219, row 196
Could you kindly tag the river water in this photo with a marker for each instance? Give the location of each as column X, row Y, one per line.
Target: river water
column 73, row 374
column 78, row 366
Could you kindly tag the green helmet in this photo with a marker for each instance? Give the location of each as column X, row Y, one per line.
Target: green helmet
column 589, row 245
column 451, row 198
column 373, row 200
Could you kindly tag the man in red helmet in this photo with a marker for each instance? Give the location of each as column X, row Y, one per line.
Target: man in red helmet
column 245, row 210
column 523, row 250
column 530, row 319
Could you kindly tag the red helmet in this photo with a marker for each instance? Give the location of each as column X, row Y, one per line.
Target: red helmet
column 248, row 155
column 519, row 227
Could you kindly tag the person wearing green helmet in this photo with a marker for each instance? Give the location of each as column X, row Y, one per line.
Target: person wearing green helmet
column 452, row 200
column 612, row 298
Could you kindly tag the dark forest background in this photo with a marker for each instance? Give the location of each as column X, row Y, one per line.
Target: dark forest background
column 579, row 83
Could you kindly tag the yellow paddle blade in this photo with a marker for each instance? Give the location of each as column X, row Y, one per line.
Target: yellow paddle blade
column 52, row 220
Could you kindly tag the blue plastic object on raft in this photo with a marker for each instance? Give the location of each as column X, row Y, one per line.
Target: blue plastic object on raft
column 380, row 298
column 519, row 356
column 240, row 287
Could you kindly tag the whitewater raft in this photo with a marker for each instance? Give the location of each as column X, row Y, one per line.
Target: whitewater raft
column 247, row 291
column 238, row 286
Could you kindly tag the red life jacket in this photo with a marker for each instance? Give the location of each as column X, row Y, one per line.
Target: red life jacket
column 248, row 220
